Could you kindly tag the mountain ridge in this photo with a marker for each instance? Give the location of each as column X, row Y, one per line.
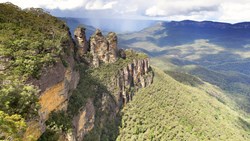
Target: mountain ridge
column 209, row 23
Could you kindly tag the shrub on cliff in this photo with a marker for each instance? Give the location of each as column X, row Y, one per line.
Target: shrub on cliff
column 12, row 127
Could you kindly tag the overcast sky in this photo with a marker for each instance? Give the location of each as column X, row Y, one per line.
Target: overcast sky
column 216, row 10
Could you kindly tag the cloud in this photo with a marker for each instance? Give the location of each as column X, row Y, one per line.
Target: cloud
column 48, row 4
column 180, row 7
column 235, row 11
column 155, row 11
column 100, row 5
column 216, row 10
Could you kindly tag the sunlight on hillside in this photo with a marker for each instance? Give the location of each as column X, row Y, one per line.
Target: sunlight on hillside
column 168, row 110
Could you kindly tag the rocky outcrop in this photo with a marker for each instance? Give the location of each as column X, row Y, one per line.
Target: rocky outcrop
column 103, row 49
column 99, row 47
column 113, row 49
column 81, row 41
column 132, row 77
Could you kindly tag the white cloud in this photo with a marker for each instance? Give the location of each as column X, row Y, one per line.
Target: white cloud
column 48, row 4
column 180, row 7
column 235, row 11
column 217, row 10
column 100, row 5
column 155, row 11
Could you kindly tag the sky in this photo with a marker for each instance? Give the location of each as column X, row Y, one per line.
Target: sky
column 231, row 11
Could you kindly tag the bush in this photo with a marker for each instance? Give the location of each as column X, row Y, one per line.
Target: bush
column 11, row 127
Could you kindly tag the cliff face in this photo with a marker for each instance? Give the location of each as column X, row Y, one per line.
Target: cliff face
column 55, row 85
column 84, row 121
column 132, row 77
column 104, row 115
column 100, row 113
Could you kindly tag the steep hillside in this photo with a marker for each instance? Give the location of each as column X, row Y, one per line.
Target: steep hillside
column 235, row 85
column 169, row 110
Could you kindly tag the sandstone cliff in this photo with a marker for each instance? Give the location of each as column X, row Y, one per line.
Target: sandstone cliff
column 121, row 78
column 120, row 88
column 55, row 85
column 111, row 75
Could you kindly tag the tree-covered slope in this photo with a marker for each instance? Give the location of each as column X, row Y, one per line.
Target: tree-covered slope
column 31, row 40
column 169, row 110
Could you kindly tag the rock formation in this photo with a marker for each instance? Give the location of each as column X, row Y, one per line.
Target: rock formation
column 113, row 50
column 81, row 41
column 103, row 49
column 58, row 81
column 132, row 77
column 99, row 46
column 129, row 79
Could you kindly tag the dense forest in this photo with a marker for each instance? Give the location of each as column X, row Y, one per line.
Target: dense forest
column 169, row 110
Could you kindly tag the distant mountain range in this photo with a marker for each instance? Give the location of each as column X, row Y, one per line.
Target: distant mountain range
column 183, row 32
column 218, row 53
